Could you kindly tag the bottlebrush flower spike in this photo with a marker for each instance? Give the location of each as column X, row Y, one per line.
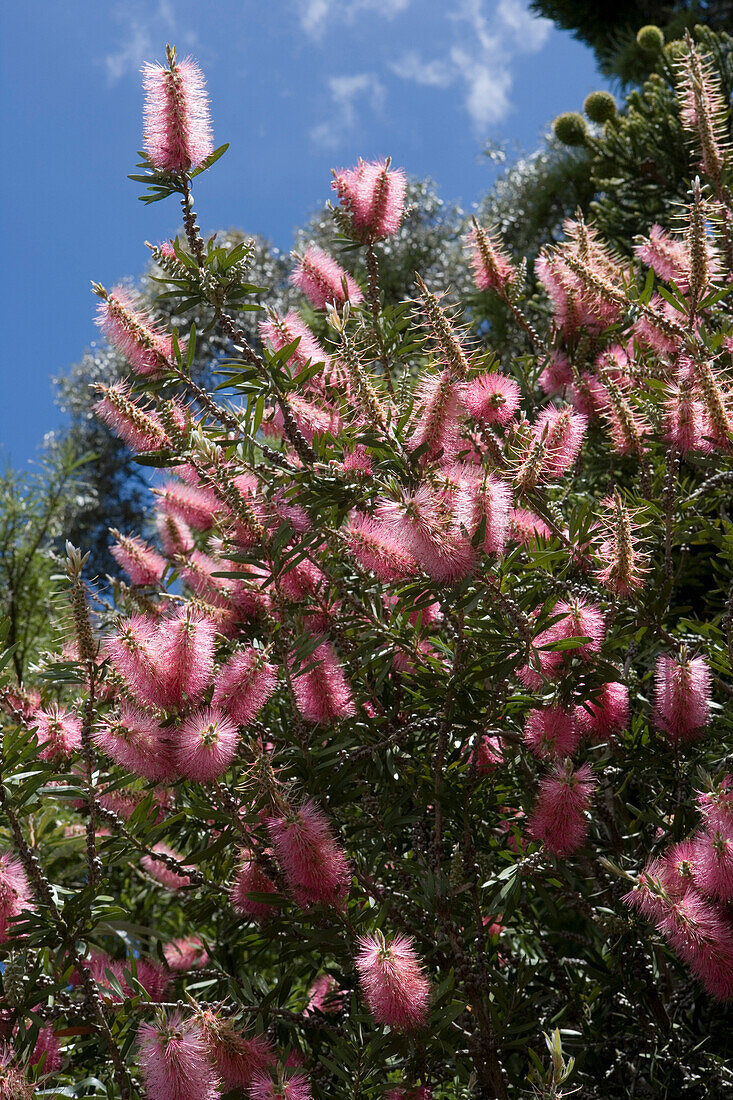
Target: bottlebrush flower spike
column 667, row 256
column 449, row 349
column 703, row 110
column 558, row 818
column 322, row 280
column 712, row 866
column 424, row 523
column 296, row 1087
column 47, row 1051
column 625, row 565
column 492, row 268
column 141, row 562
column 525, row 526
column 686, row 419
column 250, row 879
column 682, row 696
column 155, row 980
column 608, row 715
column 237, row 1059
column 491, row 506
column 716, row 806
column 158, row 869
column 13, row 1085
column 186, row 953
column 315, row 867
column 244, row 684
column 374, row 196
column 133, row 658
column 195, row 506
column 177, row 134
column 324, row 996
column 492, row 398
column 58, row 732
column 562, row 432
column 556, row 376
column 183, row 650
column 375, row 546
column 392, row 981
column 552, row 732
column 15, row 893
column 140, row 430
column 148, row 351
column 323, row 694
column 281, row 331
column 698, row 931
column 136, row 742
column 174, row 533
column 205, row 745
column 174, row 1061
column 435, row 424
column 488, row 755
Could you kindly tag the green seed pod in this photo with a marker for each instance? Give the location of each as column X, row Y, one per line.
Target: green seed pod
column 600, row 107
column 650, row 39
column 570, row 128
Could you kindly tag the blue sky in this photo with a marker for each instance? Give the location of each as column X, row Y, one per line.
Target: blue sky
column 297, row 87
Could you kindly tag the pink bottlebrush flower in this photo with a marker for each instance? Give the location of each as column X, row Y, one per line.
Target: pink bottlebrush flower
column 244, row 684
column 322, row 280
column 652, row 334
column 703, row 938
column 183, row 650
column 435, row 424
column 131, row 654
column 525, row 526
column 624, row 565
column 374, row 545
column 558, row 818
column 301, row 581
column 174, row 1061
column 682, row 696
column 177, row 133
column 419, row 1092
column 48, row 1050
column 139, row 429
column 562, row 431
column 312, row 417
column 157, row 869
column 15, row 893
column 666, row 255
column 578, row 619
column 237, row 1059
column 323, row 694
column 716, row 806
column 142, row 564
column 686, row 417
column 136, row 742
column 250, row 879
column 104, row 970
column 281, row 331
column 296, row 1087
column 556, row 376
column 374, row 196
column 58, row 732
column 608, row 715
column 324, row 996
column 392, row 981
column 488, row 754
column 194, row 505
column 174, row 533
column 492, row 398
column 205, row 745
column 186, row 953
column 315, row 867
column 552, row 732
column 662, row 882
column 676, row 868
column 124, row 803
column 424, row 522
column 492, row 268
column 712, row 866
column 148, row 350
column 153, row 978
column 357, row 462
column 571, row 312
column 13, row 1084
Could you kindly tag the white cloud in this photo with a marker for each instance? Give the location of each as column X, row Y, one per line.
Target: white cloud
column 346, row 93
column 481, row 58
column 142, row 39
column 316, row 14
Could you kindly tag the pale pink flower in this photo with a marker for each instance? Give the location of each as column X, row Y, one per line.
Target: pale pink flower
column 526, row 526
column 488, row 754
column 147, row 349
column 323, row 694
column 157, row 869
column 183, row 650
column 244, row 684
column 373, row 543
column 141, row 562
column 250, row 879
column 712, row 866
column 716, row 806
column 667, row 255
column 186, row 953
column 174, row 533
column 374, row 195
column 435, row 424
column 152, row 977
column 322, row 280
column 315, row 866
column 492, row 398
column 424, row 522
column 562, row 432
column 15, row 893
column 682, row 696
column 556, row 376
column 578, row 619
column 558, row 818
column 136, row 742
column 392, row 981
column 492, row 268
column 13, row 1084
column 133, row 657
column 281, row 331
column 648, row 331
column 58, row 732
column 313, row 417
column 703, row 938
column 194, row 505
column 238, row 1059
column 357, row 461
column 47, row 1050
column 686, row 417
column 552, row 732
column 205, row 745
column 608, row 715
column 324, row 996
column 177, row 133
column 174, row 1061
column 296, row 1087
column 140, row 429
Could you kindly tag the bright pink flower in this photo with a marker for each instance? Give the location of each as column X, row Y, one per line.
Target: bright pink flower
column 357, row 462
column 321, row 279
column 703, row 938
column 183, row 650
column 281, row 331
column 558, row 818
column 237, row 1059
column 716, row 807
column 139, row 429
column 47, row 1048
column 194, row 505
column 312, row 417
column 392, row 981
column 492, row 268
column 435, row 424
column 250, row 879
column 177, row 124
column 15, row 893
column 186, row 953
column 712, row 866
column 296, row 1087
column 147, row 349
column 133, row 658
column 136, row 742
column 205, row 745
column 374, row 196
column 315, row 866
column 373, row 543
column 552, row 732
column 174, row 1061
column 525, row 526
column 686, row 417
column 488, row 754
column 608, row 715
column 425, row 523
column 142, row 564
column 578, row 619
column 323, row 694
column 667, row 255
column 492, row 398
column 556, row 376
column 157, row 869
column 682, row 696
column 58, row 732
column 324, row 996
column 153, row 978
column 676, row 868
column 562, row 432
column 244, row 684
column 174, row 533
column 648, row 331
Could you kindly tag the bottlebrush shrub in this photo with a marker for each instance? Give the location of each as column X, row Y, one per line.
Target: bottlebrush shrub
column 410, row 737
